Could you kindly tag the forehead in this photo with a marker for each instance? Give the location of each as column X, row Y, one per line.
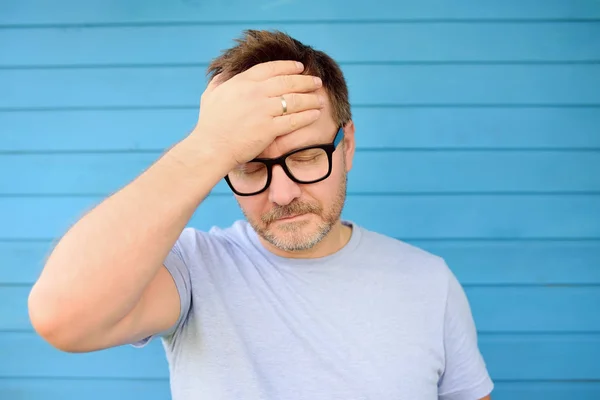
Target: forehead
column 319, row 132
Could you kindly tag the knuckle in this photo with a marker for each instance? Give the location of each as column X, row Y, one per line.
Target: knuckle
column 293, row 119
column 316, row 100
column 271, row 68
column 294, row 101
column 287, row 82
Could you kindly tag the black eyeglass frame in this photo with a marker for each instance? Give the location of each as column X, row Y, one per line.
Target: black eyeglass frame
column 329, row 148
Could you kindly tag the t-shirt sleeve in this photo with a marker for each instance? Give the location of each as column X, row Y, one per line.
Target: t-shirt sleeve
column 176, row 265
column 465, row 375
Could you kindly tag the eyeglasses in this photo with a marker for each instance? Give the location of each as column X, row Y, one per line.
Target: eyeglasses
column 305, row 165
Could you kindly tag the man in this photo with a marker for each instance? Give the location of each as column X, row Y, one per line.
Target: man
column 292, row 303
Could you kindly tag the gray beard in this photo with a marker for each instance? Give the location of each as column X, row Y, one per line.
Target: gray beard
column 296, row 241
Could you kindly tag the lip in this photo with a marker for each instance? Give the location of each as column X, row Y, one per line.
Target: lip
column 290, row 218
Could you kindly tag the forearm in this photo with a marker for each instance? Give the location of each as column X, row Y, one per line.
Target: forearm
column 99, row 269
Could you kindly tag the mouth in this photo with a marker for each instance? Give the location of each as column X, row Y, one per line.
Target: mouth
column 291, row 217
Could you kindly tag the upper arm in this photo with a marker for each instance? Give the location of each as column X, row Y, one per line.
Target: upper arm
column 161, row 309
column 157, row 312
column 163, row 320
column 465, row 374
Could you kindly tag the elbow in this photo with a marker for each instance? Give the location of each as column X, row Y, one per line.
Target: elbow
column 49, row 324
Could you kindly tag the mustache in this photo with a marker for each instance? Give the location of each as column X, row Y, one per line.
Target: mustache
column 294, row 208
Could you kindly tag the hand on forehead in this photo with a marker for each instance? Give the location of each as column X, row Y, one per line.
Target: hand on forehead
column 319, row 132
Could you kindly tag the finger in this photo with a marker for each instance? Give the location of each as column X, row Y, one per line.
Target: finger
column 292, row 122
column 295, row 102
column 266, row 70
column 283, row 84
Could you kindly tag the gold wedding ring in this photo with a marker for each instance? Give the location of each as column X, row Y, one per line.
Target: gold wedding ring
column 283, row 105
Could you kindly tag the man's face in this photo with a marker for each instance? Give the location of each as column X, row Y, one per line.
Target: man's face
column 293, row 216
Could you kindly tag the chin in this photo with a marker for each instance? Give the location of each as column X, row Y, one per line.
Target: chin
column 297, row 234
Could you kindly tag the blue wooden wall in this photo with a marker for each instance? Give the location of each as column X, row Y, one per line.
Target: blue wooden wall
column 478, row 127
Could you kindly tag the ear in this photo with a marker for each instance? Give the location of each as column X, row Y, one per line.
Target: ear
column 349, row 144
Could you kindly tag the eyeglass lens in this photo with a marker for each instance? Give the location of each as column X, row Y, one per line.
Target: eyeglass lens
column 305, row 166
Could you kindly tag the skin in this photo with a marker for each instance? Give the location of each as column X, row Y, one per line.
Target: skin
column 319, row 232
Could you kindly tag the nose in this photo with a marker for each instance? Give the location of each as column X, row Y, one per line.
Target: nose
column 282, row 190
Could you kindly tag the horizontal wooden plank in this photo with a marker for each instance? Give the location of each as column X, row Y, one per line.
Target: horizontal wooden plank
column 89, row 389
column 519, row 262
column 474, row 262
column 377, row 128
column 368, row 85
column 13, row 308
column 551, row 308
column 373, row 171
column 401, row 216
column 495, row 309
column 544, row 357
column 20, row 12
column 431, row 42
column 546, row 390
column 158, row 389
column 515, row 357
column 24, row 260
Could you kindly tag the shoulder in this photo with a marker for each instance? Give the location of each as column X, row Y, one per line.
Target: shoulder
column 213, row 242
column 408, row 259
column 402, row 252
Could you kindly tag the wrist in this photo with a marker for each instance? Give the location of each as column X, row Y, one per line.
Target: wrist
column 198, row 158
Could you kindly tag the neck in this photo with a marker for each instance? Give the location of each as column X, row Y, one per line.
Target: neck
column 338, row 237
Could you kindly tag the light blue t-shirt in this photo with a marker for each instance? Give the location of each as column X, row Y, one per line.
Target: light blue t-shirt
column 379, row 320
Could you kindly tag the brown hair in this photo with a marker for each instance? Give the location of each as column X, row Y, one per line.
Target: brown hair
column 258, row 46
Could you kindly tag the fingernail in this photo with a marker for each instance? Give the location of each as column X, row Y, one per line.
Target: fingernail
column 317, row 80
column 299, row 65
column 321, row 100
